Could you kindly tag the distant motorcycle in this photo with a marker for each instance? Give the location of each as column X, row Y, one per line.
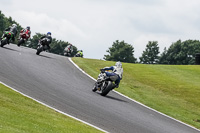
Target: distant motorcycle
column 42, row 46
column 103, row 84
column 79, row 55
column 67, row 52
column 23, row 37
column 7, row 37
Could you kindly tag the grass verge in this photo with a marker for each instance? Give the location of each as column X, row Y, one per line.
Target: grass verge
column 19, row 114
column 171, row 89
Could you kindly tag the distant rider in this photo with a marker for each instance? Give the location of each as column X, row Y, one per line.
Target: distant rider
column 69, row 49
column 80, row 53
column 27, row 31
column 116, row 74
column 13, row 30
column 46, row 40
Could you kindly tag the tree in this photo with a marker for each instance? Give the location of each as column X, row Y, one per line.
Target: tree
column 181, row 53
column 120, row 51
column 150, row 55
column 163, row 56
column 1, row 23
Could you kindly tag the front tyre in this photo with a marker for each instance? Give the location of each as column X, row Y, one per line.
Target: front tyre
column 94, row 88
column 20, row 42
column 39, row 50
column 107, row 89
column 3, row 42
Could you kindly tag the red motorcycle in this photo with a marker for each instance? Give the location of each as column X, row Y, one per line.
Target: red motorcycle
column 24, row 36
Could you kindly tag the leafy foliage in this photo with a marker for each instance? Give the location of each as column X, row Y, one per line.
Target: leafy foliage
column 120, row 51
column 181, row 53
column 150, row 55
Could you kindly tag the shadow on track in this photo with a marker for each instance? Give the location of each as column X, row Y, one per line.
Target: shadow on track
column 10, row 49
column 46, row 56
column 114, row 98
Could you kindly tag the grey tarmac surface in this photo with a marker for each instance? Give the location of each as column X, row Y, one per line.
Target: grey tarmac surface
column 55, row 81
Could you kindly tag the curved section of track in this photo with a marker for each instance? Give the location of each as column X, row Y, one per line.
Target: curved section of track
column 55, row 81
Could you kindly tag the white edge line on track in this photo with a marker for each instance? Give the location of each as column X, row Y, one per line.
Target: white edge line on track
column 136, row 101
column 54, row 108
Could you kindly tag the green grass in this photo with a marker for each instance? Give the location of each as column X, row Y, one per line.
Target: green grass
column 171, row 89
column 19, row 114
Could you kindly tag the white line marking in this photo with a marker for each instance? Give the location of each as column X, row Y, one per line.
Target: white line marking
column 137, row 101
column 54, row 108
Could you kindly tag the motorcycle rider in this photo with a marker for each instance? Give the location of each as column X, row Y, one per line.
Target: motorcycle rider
column 46, row 40
column 13, row 30
column 69, row 49
column 116, row 74
column 80, row 52
column 27, row 31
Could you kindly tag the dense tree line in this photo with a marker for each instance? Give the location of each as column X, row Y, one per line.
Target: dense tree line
column 179, row 53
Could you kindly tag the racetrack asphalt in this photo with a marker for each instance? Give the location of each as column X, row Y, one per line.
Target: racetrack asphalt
column 55, row 81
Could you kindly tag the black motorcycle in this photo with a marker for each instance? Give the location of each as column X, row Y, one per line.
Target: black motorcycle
column 42, row 46
column 103, row 84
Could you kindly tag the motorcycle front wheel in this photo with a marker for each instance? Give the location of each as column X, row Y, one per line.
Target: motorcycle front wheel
column 3, row 42
column 107, row 88
column 20, row 42
column 39, row 50
column 94, row 88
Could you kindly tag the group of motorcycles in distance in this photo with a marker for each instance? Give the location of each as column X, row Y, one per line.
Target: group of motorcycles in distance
column 41, row 43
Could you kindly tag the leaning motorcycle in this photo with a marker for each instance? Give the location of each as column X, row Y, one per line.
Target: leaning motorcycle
column 78, row 55
column 67, row 52
column 23, row 37
column 103, row 84
column 42, row 46
column 7, row 37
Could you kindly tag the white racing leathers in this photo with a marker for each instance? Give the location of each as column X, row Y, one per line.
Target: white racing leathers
column 118, row 71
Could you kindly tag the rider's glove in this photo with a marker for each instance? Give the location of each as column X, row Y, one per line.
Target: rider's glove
column 101, row 69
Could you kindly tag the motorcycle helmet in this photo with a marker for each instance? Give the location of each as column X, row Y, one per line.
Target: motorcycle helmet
column 118, row 64
column 28, row 27
column 14, row 25
column 48, row 33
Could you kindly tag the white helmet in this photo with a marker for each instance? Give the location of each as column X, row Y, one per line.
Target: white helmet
column 118, row 64
column 14, row 25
